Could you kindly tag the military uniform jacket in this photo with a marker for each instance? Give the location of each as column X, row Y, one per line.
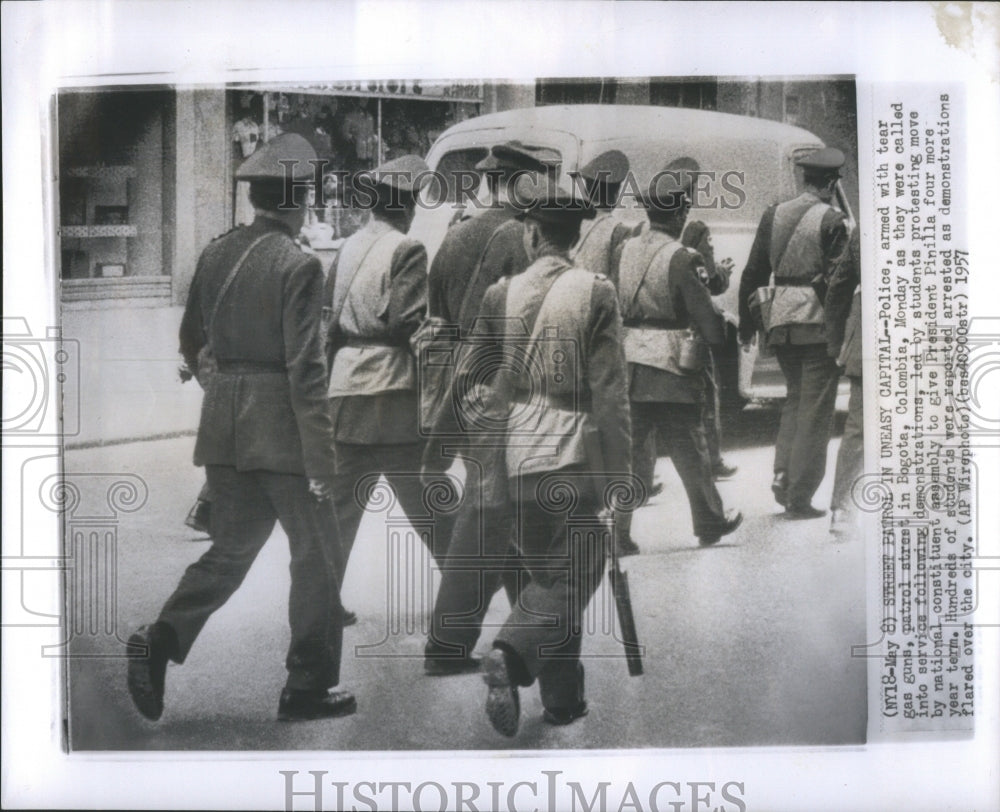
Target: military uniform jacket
column 672, row 296
column 843, row 309
column 384, row 307
column 461, row 251
column 265, row 409
column 599, row 240
column 581, row 318
column 796, row 241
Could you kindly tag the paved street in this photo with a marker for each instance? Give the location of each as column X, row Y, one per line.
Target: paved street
column 747, row 643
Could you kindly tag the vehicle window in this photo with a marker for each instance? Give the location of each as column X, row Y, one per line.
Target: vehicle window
column 452, row 166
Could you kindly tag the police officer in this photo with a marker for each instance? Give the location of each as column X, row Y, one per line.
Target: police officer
column 377, row 298
column 669, row 316
column 250, row 332
column 458, row 278
column 797, row 242
column 601, row 235
column 475, row 254
column 561, row 336
column 698, row 237
column 843, row 325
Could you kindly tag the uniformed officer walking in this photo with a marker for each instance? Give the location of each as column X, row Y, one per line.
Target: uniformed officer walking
column 797, row 242
column 475, row 254
column 601, row 235
column 265, row 439
column 843, row 326
column 669, row 318
column 377, row 299
column 562, row 387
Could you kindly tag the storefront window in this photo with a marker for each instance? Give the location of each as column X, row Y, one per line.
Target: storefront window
column 111, row 193
column 353, row 130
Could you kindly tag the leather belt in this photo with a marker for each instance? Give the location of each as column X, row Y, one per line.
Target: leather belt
column 568, row 401
column 230, row 367
column 356, row 341
column 792, row 281
column 654, row 324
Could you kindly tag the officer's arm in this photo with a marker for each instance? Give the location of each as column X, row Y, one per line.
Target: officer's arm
column 408, row 290
column 687, row 275
column 192, row 332
column 306, row 365
column 437, row 283
column 757, row 272
column 846, row 277
column 607, row 376
column 833, row 237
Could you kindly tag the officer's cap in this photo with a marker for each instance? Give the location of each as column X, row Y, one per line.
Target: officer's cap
column 668, row 190
column 407, row 173
column 541, row 198
column 827, row 160
column 266, row 161
column 609, row 167
column 514, row 155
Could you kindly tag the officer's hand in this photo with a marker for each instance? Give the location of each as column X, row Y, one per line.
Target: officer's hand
column 321, row 489
column 726, row 266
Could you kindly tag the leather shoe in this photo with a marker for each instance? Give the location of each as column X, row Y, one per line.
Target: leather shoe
column 798, row 512
column 734, row 519
column 301, row 706
column 722, row 471
column 349, row 618
column 625, row 547
column 450, row 666
column 503, row 705
column 565, row 716
column 779, row 487
column 149, row 650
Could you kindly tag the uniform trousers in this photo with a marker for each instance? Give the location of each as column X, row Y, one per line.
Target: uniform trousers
column 245, row 507
column 710, row 411
column 481, row 559
column 851, row 457
column 806, row 418
column 355, row 485
column 564, row 548
column 682, row 432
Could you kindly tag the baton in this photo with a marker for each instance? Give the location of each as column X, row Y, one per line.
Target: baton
column 623, row 602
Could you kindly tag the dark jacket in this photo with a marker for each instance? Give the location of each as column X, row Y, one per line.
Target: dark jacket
column 758, row 271
column 461, row 251
column 266, row 407
column 843, row 308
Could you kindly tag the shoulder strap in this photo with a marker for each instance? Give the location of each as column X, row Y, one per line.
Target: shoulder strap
column 474, row 276
column 778, row 251
column 340, row 292
column 629, row 292
column 230, row 278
